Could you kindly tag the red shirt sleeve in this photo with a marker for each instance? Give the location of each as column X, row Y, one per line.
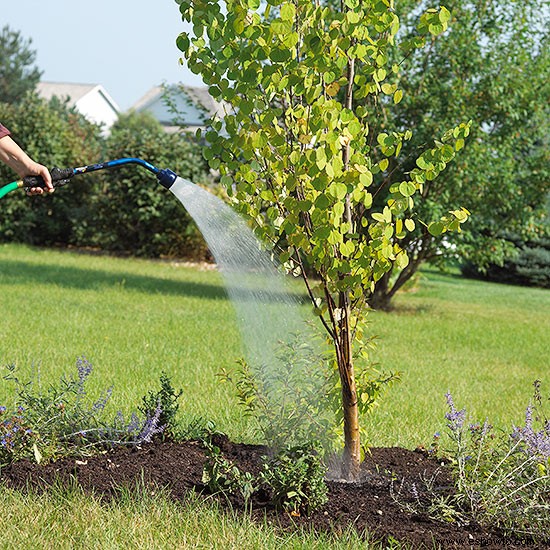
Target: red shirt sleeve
column 4, row 131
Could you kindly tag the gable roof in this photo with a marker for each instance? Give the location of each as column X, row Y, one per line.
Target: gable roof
column 193, row 104
column 73, row 92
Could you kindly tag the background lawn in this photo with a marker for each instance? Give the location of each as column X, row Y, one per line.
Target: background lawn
column 132, row 319
column 485, row 343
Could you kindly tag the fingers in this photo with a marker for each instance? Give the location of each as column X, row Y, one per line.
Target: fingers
column 36, row 169
column 46, row 176
column 35, row 191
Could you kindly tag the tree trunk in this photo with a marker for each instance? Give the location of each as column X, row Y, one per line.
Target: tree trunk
column 352, row 447
column 380, row 299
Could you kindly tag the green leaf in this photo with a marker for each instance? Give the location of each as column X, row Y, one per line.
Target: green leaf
column 226, row 180
column 407, row 188
column 397, row 96
column 409, row 224
column 338, row 190
column 335, row 237
column 288, row 12
column 322, row 202
column 436, row 228
column 347, row 248
column 354, row 127
column 365, row 178
column 444, row 15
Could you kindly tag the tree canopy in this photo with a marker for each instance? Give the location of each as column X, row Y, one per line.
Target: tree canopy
column 491, row 67
column 298, row 154
column 18, row 72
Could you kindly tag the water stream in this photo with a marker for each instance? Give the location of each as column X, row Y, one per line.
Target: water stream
column 267, row 309
column 270, row 313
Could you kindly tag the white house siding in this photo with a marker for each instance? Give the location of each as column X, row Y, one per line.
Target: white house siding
column 91, row 100
column 96, row 107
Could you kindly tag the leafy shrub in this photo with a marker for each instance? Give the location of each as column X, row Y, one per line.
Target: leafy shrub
column 54, row 135
column 527, row 265
column 221, row 475
column 131, row 212
column 166, row 398
column 61, row 421
column 503, row 480
column 124, row 210
column 301, row 400
column 296, row 478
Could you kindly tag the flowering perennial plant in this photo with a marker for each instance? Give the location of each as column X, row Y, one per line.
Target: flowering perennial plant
column 503, row 479
column 535, row 443
column 62, row 420
column 15, row 433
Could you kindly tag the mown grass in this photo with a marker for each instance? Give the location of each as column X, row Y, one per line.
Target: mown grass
column 133, row 319
column 483, row 342
column 65, row 518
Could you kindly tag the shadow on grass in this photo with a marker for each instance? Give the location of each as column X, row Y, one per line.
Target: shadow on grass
column 18, row 272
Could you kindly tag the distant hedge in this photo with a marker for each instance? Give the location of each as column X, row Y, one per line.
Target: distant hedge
column 529, row 267
column 122, row 210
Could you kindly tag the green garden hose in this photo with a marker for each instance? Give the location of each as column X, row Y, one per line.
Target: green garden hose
column 10, row 187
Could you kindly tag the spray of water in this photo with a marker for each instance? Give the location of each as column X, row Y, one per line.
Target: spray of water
column 269, row 312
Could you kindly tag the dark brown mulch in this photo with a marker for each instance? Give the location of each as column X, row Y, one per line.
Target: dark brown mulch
column 368, row 505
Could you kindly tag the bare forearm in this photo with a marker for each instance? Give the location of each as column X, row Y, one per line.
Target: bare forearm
column 12, row 155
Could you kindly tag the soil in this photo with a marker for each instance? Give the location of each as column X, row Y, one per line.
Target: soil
column 370, row 505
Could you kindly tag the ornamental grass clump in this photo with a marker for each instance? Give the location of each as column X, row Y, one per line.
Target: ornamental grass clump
column 62, row 420
column 503, row 479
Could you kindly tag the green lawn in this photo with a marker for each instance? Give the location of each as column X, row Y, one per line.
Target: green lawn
column 484, row 343
column 132, row 319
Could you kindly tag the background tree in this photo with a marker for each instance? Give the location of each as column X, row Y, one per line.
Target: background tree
column 18, row 74
column 297, row 154
column 131, row 213
column 55, row 136
column 491, row 67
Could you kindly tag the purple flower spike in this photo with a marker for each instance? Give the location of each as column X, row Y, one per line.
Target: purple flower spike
column 456, row 418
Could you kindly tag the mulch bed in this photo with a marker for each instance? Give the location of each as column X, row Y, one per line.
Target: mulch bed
column 368, row 505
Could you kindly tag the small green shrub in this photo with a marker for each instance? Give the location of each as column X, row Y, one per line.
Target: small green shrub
column 527, row 265
column 300, row 401
column 167, row 399
column 131, row 212
column 296, row 479
column 54, row 135
column 221, row 475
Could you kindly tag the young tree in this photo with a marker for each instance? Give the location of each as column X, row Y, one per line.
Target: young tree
column 18, row 74
column 492, row 67
column 297, row 154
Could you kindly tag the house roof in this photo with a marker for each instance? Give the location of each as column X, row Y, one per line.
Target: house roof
column 73, row 92
column 197, row 94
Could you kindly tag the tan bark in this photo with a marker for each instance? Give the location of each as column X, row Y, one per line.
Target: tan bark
column 352, row 441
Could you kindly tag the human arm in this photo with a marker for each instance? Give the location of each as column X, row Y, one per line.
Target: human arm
column 12, row 155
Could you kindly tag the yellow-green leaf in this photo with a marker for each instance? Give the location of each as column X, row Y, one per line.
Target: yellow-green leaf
column 409, row 224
